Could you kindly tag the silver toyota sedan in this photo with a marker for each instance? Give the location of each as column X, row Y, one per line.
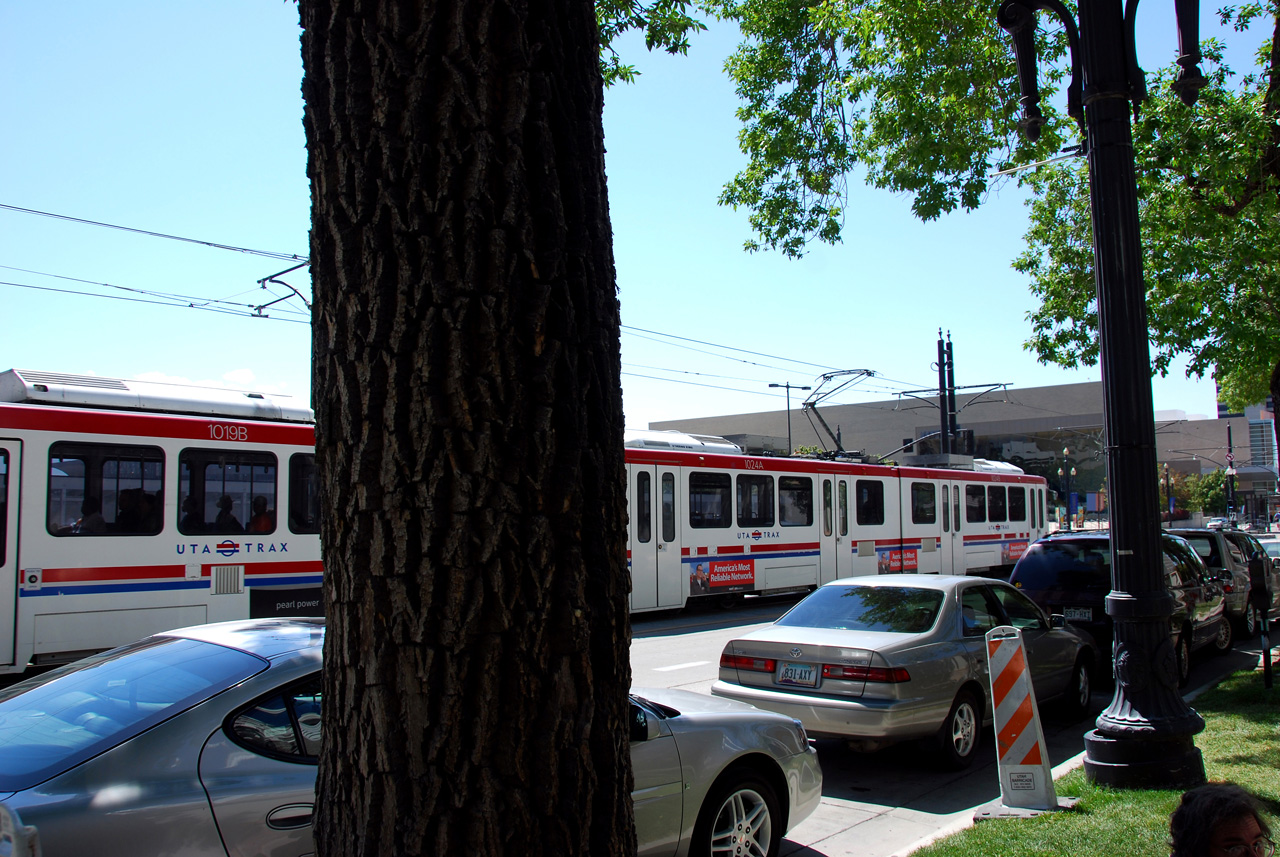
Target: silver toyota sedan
column 883, row 659
column 203, row 742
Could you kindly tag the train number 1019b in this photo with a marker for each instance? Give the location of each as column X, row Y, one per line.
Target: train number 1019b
column 226, row 431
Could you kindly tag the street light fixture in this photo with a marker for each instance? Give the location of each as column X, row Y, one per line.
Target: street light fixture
column 789, row 387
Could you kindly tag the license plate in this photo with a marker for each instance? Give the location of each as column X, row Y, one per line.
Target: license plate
column 1078, row 614
column 805, row 675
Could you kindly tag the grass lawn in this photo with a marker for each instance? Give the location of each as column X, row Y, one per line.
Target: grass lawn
column 1240, row 743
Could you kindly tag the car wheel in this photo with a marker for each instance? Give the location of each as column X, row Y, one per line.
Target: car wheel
column 1248, row 623
column 958, row 737
column 1080, row 690
column 1182, row 656
column 739, row 818
column 1223, row 643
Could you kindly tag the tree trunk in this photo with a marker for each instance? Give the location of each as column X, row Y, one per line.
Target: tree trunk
column 468, row 431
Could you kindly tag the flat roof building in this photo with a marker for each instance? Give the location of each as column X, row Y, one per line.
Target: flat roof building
column 1030, row 427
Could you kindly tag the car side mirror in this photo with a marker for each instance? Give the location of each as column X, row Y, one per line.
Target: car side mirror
column 1057, row 620
column 639, row 725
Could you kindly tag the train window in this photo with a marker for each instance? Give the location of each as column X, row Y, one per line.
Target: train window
column 795, row 496
column 924, row 503
column 996, row 503
column 869, row 499
column 709, row 500
column 1040, row 493
column 226, row 492
column 755, row 501
column 843, row 492
column 644, row 507
column 668, row 507
column 4, row 501
column 975, row 504
column 105, row 490
column 826, row 507
column 946, row 509
column 955, row 508
column 1018, row 503
column 304, row 494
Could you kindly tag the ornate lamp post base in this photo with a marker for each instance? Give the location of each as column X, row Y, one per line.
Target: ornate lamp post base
column 1167, row 762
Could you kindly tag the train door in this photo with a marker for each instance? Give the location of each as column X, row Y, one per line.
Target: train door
column 837, row 545
column 951, row 542
column 655, row 559
column 10, row 467
column 673, row 586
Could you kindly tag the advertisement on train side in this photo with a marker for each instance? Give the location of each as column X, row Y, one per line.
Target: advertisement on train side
column 723, row 575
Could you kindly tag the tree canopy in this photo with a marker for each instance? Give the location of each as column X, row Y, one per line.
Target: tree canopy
column 921, row 98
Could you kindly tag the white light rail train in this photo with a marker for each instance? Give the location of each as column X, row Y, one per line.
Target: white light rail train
column 128, row 508
column 708, row 520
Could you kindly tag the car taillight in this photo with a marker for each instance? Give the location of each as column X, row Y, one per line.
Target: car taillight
column 881, row 674
column 743, row 662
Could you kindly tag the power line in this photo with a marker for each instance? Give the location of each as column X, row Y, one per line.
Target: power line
column 223, row 310
column 698, row 384
column 178, row 300
column 729, row 348
column 270, row 254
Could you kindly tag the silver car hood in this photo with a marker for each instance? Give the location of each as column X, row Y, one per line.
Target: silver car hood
column 688, row 702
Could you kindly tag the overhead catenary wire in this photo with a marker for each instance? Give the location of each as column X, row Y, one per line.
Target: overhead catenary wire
column 173, row 298
column 219, row 309
column 256, row 309
column 270, row 254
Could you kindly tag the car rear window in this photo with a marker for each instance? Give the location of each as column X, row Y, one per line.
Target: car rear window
column 1206, row 547
column 51, row 723
column 891, row 609
column 1075, row 566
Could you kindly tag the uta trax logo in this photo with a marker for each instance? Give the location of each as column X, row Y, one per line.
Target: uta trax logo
column 227, row 548
column 756, row 535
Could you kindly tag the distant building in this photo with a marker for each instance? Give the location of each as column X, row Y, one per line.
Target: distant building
column 1029, row 427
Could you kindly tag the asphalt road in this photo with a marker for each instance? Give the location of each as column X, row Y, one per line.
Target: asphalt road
column 877, row 804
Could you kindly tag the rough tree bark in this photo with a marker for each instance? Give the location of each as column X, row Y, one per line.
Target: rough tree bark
column 468, row 431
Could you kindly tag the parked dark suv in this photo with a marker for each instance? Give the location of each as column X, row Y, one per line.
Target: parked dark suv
column 1227, row 553
column 1070, row 573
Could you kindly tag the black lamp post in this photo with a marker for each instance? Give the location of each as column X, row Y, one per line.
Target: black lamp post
column 789, row 387
column 1065, row 474
column 1144, row 738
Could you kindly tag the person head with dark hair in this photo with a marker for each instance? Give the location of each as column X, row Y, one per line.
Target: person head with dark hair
column 1219, row 820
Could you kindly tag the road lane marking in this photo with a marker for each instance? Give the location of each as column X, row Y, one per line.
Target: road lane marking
column 681, row 666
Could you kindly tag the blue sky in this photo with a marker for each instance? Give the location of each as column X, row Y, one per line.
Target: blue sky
column 185, row 118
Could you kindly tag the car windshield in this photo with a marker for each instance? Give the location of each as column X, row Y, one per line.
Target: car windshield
column 1272, row 548
column 891, row 609
column 54, row 722
column 1077, row 566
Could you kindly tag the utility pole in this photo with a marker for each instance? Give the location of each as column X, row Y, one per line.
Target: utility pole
column 944, row 434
